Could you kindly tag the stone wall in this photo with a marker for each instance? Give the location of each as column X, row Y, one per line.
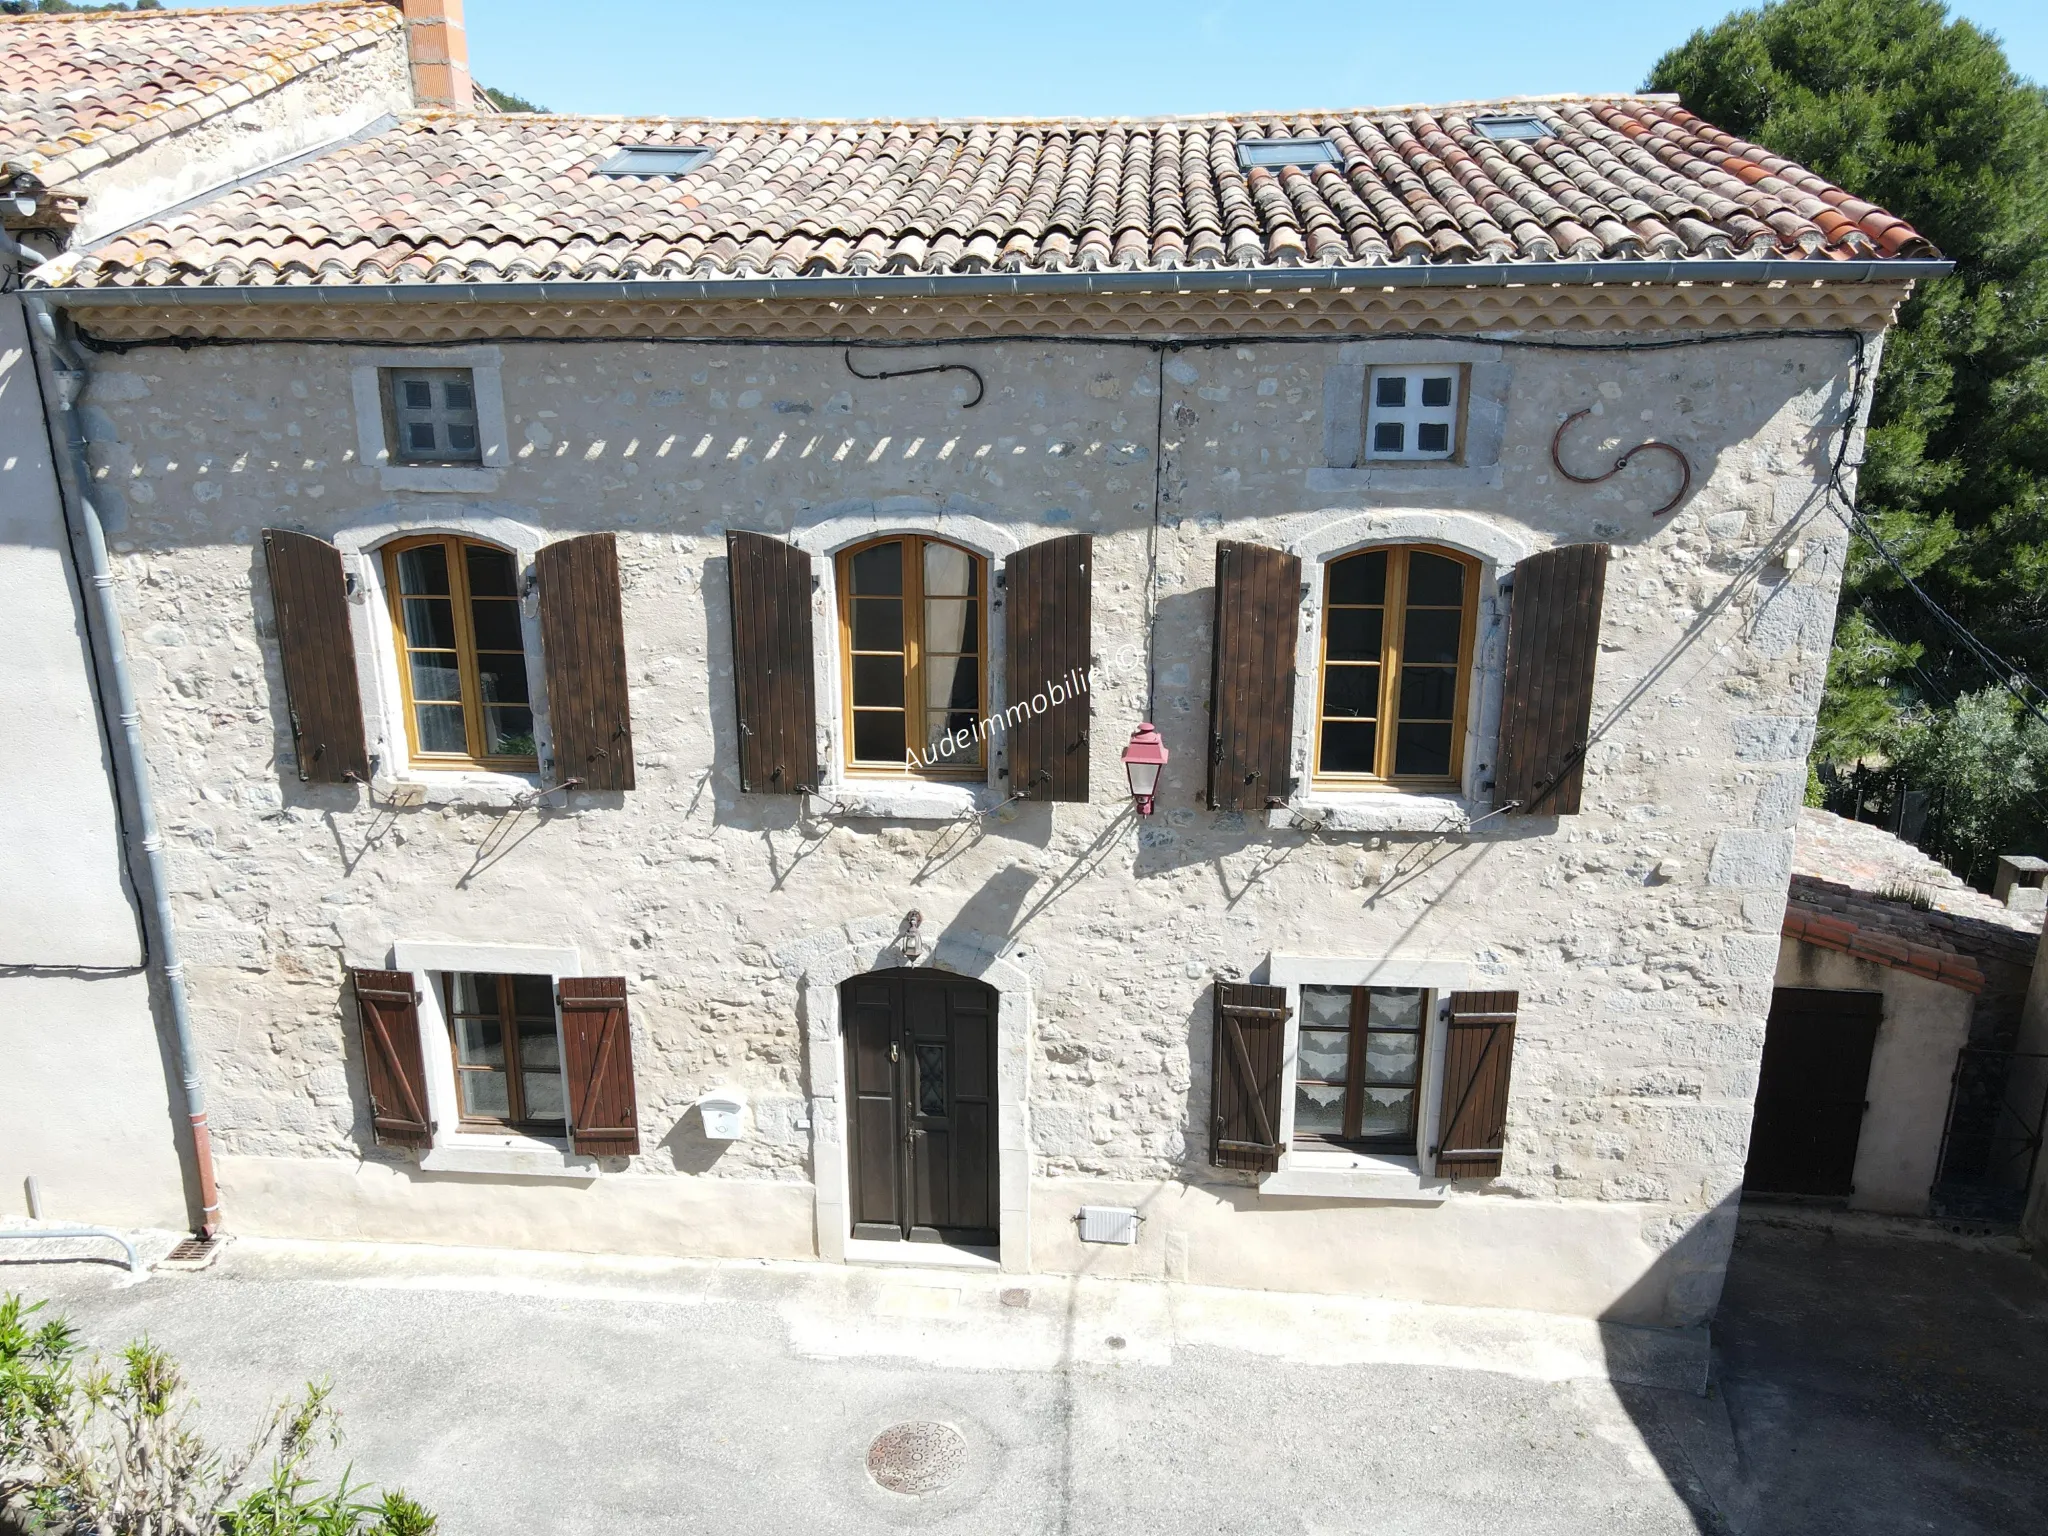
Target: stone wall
column 1641, row 934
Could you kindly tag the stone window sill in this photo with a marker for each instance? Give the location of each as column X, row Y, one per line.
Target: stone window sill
column 458, row 787
column 1336, row 1175
column 1388, row 811
column 512, row 1157
column 905, row 800
column 1394, row 476
column 439, row 477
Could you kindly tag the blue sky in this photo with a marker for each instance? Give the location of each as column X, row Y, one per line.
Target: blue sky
column 1134, row 57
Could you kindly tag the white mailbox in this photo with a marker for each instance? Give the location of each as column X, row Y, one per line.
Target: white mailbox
column 723, row 1112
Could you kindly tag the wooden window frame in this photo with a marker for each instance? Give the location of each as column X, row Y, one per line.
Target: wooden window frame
column 465, row 657
column 1393, row 613
column 508, row 1020
column 1351, row 1137
column 913, row 657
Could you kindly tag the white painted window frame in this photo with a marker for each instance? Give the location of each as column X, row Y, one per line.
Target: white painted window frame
column 509, row 1154
column 822, row 535
column 1498, row 550
column 487, row 372
column 1414, row 415
column 394, row 773
column 1339, row 1173
column 1486, row 381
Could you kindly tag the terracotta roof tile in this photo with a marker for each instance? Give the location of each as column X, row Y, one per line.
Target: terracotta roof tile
column 80, row 89
column 460, row 198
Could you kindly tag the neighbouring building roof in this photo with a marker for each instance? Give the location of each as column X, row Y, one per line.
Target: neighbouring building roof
column 1858, row 889
column 86, row 88
column 454, row 198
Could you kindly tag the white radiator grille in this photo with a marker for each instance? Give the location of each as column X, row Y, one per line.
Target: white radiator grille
column 1108, row 1224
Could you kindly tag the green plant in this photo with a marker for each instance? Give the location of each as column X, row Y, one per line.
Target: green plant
column 109, row 1451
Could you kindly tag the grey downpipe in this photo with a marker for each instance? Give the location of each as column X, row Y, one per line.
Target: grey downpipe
column 131, row 764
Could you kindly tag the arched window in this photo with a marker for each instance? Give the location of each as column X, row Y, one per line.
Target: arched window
column 913, row 657
column 461, row 651
column 1395, row 667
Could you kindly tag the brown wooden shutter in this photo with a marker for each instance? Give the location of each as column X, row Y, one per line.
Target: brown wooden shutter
column 1246, row 1065
column 771, row 664
column 1477, row 1059
column 310, row 596
column 1547, row 702
column 1046, row 601
column 1251, row 681
column 597, row 1040
column 389, row 1009
column 584, row 635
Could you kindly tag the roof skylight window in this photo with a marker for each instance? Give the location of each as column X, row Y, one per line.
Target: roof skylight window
column 655, row 160
column 1251, row 152
column 1513, row 127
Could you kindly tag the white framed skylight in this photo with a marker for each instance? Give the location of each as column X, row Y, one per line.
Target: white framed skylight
column 655, row 160
column 1251, row 152
column 1520, row 127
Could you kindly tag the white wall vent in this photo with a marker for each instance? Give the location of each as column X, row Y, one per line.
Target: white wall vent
column 1108, row 1224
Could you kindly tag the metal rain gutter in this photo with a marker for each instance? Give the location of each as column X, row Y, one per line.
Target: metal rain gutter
column 131, row 763
column 1791, row 273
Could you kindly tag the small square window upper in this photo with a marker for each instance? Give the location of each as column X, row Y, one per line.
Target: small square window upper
column 1412, row 413
column 1251, row 152
column 430, row 416
column 655, row 160
column 1512, row 127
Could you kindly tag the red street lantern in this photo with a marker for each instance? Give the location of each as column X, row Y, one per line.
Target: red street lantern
column 1143, row 759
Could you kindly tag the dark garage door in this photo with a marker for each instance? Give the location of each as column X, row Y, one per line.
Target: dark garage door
column 1810, row 1097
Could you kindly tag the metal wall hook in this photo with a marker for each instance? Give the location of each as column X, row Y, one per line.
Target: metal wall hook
column 1684, row 464
column 980, row 385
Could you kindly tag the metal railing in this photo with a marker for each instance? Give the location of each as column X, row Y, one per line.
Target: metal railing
column 1991, row 1140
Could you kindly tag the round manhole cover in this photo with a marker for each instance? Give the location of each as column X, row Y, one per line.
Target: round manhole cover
column 916, row 1458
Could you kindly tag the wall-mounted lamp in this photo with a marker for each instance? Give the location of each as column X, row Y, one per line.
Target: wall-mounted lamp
column 1143, row 759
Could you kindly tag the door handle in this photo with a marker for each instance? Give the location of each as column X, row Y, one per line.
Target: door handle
column 892, row 1051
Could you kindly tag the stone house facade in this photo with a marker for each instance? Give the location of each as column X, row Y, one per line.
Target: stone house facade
column 535, row 602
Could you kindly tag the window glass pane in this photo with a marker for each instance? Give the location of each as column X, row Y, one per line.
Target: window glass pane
column 1422, row 751
column 544, row 1097
column 441, row 728
column 502, row 678
column 1430, row 437
column 1434, row 582
column 953, row 683
column 419, row 436
column 434, row 675
column 485, row 1094
column 1436, row 393
column 1318, row 1111
column 497, row 625
column 878, row 736
column 457, row 395
column 949, row 625
column 941, row 724
column 534, row 997
column 931, row 1079
column 1325, row 1054
column 1391, row 1056
column 1386, row 1112
column 1388, row 437
column 1352, row 691
column 1360, row 579
column 459, row 991
column 538, row 1050
column 1355, row 633
column 462, row 437
column 429, row 623
column 423, row 570
column 1348, row 746
column 1390, row 389
column 490, row 572
column 879, row 570
column 1394, row 1008
column 1328, row 1006
column 1428, row 693
column 878, row 681
column 419, row 394
column 948, row 572
column 1431, row 635
column 878, row 624
column 508, row 732
column 480, row 1042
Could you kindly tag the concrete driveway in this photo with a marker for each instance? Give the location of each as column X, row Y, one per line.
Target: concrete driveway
column 565, row 1394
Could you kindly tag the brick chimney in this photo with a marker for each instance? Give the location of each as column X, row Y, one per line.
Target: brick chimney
column 440, row 54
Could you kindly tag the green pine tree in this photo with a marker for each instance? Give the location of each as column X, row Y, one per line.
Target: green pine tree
column 1922, row 115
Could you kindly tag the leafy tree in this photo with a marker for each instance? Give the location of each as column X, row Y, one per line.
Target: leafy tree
column 1921, row 114
column 509, row 101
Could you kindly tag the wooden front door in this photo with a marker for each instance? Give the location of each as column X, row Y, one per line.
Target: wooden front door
column 921, row 1106
column 1810, row 1093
